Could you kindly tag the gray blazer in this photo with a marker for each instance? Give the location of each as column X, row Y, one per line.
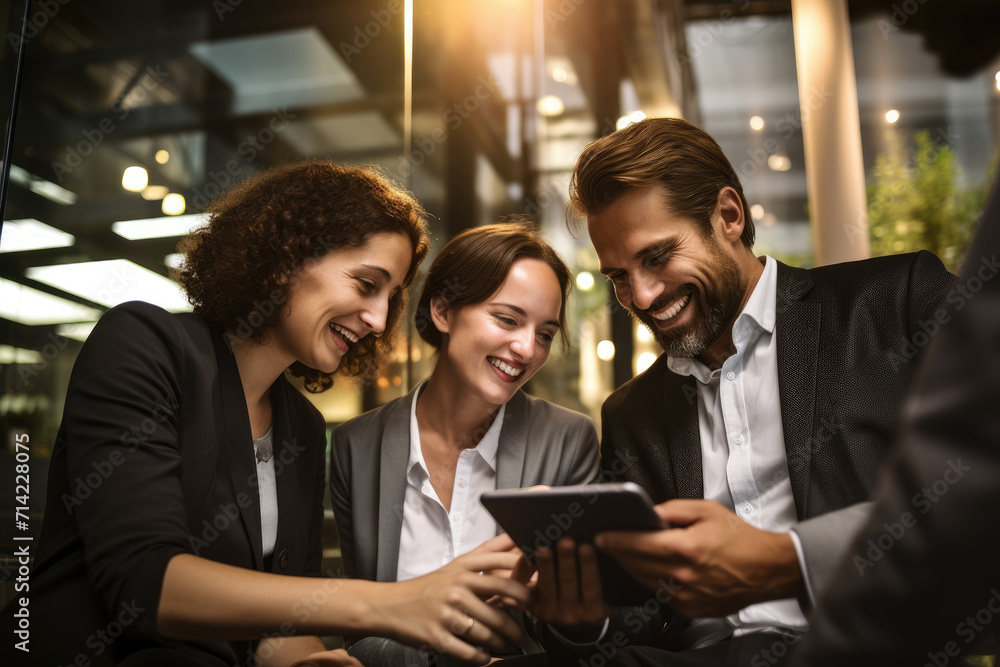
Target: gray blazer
column 368, row 471
column 368, row 484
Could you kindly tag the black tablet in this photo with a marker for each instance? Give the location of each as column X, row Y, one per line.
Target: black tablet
column 537, row 519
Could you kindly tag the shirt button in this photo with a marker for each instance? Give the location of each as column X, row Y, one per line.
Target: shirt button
column 747, row 508
column 730, row 375
column 738, row 439
column 462, row 483
column 457, row 518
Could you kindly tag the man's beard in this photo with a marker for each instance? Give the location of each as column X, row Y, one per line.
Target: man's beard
column 723, row 295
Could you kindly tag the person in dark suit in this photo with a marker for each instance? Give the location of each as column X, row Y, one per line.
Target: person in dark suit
column 406, row 478
column 760, row 428
column 187, row 476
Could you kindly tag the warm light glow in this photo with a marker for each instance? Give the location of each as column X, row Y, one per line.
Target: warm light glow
column 779, row 162
column 415, row 353
column 174, row 260
column 31, row 234
column 111, row 282
column 757, row 211
column 154, row 192
column 891, row 116
column 757, row 123
column 135, row 179
column 606, row 350
column 628, row 119
column 396, row 380
column 585, row 280
column 560, row 75
column 162, row 156
column 550, row 105
column 173, row 204
column 644, row 361
column 643, row 334
column 158, row 228
column 382, row 382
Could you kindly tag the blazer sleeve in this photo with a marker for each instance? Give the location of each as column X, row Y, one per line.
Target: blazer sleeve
column 314, row 562
column 120, row 423
column 340, row 493
column 585, row 466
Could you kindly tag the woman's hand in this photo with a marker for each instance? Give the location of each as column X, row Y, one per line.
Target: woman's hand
column 445, row 611
column 335, row 658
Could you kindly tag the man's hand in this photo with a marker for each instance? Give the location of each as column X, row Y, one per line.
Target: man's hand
column 567, row 591
column 335, row 658
column 721, row 563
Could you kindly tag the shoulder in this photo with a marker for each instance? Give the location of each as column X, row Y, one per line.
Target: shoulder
column 650, row 382
column 372, row 422
column 880, row 270
column 538, row 410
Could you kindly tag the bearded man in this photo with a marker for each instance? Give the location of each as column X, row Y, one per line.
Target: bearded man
column 760, row 427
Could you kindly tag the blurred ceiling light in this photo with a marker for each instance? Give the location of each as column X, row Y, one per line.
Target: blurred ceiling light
column 585, row 280
column 162, row 156
column 757, row 123
column 891, row 116
column 173, row 204
column 628, row 119
column 174, row 260
column 135, row 179
column 154, row 192
column 415, row 353
column 643, row 334
column 40, row 186
column 778, row 162
column 606, row 350
column 27, row 305
column 111, row 282
column 560, row 75
column 18, row 355
column 550, row 105
column 998, row 80
column 382, row 382
column 76, row 331
column 30, row 234
column 158, row 228
column 757, row 211
column 644, row 361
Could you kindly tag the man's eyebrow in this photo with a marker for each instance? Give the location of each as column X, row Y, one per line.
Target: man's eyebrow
column 651, row 248
column 520, row 311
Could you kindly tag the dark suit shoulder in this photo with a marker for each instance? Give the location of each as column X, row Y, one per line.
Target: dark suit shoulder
column 880, row 272
column 651, row 381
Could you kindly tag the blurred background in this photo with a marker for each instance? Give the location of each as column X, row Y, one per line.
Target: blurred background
column 131, row 116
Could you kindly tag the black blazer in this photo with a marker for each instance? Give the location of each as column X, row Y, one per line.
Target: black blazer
column 154, row 458
column 848, row 335
column 917, row 584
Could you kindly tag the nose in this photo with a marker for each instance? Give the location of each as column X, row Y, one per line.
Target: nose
column 523, row 345
column 375, row 316
column 645, row 290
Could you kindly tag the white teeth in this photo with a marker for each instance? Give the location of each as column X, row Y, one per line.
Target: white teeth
column 346, row 333
column 506, row 368
column 672, row 309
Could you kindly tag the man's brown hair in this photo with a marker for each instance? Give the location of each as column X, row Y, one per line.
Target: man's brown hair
column 671, row 153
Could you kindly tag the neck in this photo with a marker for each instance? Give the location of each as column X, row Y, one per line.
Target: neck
column 715, row 354
column 444, row 408
column 259, row 366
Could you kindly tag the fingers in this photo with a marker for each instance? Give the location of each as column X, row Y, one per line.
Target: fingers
column 486, row 561
column 684, row 512
column 335, row 658
column 502, row 542
column 523, row 570
column 488, row 585
column 590, row 582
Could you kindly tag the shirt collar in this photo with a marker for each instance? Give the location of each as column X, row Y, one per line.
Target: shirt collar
column 416, row 468
column 758, row 315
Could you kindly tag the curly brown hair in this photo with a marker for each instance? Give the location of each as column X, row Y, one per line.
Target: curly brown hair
column 262, row 232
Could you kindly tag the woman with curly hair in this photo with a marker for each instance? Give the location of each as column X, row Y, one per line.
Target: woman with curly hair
column 187, row 478
column 406, row 478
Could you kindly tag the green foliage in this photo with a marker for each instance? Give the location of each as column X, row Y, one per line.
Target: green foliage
column 921, row 204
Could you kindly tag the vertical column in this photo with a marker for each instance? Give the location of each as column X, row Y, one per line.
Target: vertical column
column 831, row 130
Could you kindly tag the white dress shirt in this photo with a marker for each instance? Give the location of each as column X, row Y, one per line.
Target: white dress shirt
column 267, row 492
column 744, row 466
column 431, row 535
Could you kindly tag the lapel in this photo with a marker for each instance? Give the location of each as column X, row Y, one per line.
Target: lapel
column 238, row 443
column 797, row 321
column 394, row 455
column 513, row 443
column 287, row 453
column 680, row 414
